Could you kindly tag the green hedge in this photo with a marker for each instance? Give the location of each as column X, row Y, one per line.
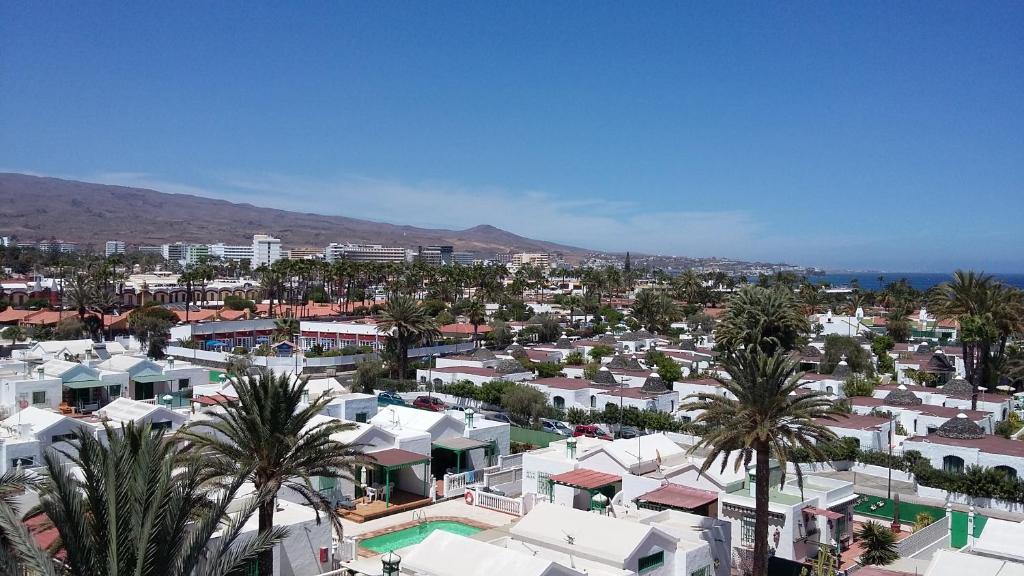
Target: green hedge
column 975, row 481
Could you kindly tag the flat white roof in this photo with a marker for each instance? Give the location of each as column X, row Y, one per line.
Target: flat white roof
column 394, row 418
column 1001, row 538
column 38, row 418
column 445, row 554
column 952, row 563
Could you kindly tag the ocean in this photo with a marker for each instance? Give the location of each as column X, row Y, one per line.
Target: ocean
column 919, row 280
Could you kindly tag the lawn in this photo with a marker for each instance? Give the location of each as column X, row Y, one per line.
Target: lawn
column 909, row 511
column 215, row 376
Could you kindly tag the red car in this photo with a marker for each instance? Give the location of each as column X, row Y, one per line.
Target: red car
column 590, row 431
column 429, row 403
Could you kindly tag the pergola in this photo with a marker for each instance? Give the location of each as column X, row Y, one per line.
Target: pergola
column 585, row 479
column 396, row 459
column 676, row 497
column 147, row 392
column 458, row 445
column 80, row 398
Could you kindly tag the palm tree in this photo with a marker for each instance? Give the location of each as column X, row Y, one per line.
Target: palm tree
column 765, row 318
column 476, row 311
column 138, row 508
column 655, row 310
column 970, row 298
column 406, row 323
column 762, row 419
column 268, row 438
column 285, row 328
column 18, row 551
column 879, row 544
column 810, row 297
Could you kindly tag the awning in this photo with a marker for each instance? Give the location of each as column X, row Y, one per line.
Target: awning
column 831, row 515
column 82, row 384
column 151, row 378
column 397, row 458
column 679, row 497
column 460, row 444
column 216, row 343
column 586, row 479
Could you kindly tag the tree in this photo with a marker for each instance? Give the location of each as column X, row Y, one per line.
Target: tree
column 762, row 419
column 285, row 328
column 839, row 347
column 654, row 310
column 368, row 374
column 139, row 506
column 574, row 358
column 667, row 368
column 18, row 551
column 879, row 544
column 268, row 437
column 767, row 319
column 525, row 404
column 600, row 351
column 13, row 333
column 151, row 325
column 405, row 322
column 859, row 385
column 476, row 312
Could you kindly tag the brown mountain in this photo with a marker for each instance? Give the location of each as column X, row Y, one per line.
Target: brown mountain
column 38, row 208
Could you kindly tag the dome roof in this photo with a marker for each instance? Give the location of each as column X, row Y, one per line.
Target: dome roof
column 960, row 428
column 483, row 354
column 902, row 397
column 605, row 377
column 654, row 384
column 564, row 343
column 958, row 387
column 515, row 350
column 509, row 367
column 842, row 370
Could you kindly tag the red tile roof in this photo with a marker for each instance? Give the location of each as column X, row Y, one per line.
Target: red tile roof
column 11, row 315
column 990, row 443
column 854, row 422
column 676, row 496
column 586, row 478
column 564, row 383
column 466, row 329
column 491, row 372
column 394, row 457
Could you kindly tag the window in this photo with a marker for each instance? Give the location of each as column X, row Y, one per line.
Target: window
column 61, row 438
column 559, row 402
column 747, row 531
column 183, row 383
column 39, row 397
column 327, row 483
column 648, row 563
column 143, row 390
column 544, row 485
column 953, row 464
column 360, row 416
column 593, row 401
column 705, row 571
column 114, row 391
column 1010, row 472
column 24, row 461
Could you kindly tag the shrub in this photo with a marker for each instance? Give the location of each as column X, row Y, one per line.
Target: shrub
column 574, row 358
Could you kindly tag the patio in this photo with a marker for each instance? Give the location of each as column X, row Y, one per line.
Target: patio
column 382, row 493
column 400, row 502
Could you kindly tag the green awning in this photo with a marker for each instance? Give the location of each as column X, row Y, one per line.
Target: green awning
column 82, row 384
column 460, row 444
column 151, row 378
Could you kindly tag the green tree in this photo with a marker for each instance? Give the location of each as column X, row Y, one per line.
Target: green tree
column 839, row 347
column 767, row 319
column 879, row 544
column 476, row 312
column 600, row 351
column 268, row 438
column 406, row 323
column 139, row 506
column 859, row 385
column 524, row 404
column 13, row 333
column 18, row 551
column 574, row 358
column 655, row 310
column 367, row 376
column 760, row 418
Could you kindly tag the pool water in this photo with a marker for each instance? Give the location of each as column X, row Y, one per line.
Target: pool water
column 414, row 535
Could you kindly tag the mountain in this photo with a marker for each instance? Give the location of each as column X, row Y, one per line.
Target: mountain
column 39, row 208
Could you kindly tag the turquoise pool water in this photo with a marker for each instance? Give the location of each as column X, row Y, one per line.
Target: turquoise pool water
column 414, row 535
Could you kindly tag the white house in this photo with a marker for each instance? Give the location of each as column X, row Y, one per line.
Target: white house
column 960, row 443
column 46, row 426
column 21, row 385
column 478, row 376
column 434, row 557
column 124, row 410
column 870, row 432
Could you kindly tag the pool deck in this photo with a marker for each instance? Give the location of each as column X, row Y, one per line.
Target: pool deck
column 456, row 510
column 400, row 502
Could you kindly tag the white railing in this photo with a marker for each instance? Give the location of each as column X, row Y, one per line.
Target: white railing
column 503, row 477
column 454, row 485
column 513, row 506
column 347, row 549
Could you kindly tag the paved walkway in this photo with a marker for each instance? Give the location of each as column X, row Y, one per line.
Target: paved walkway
column 875, row 486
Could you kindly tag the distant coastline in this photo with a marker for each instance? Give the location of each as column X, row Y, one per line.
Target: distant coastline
column 919, row 280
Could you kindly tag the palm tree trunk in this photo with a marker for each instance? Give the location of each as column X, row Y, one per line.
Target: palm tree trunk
column 762, row 482
column 266, row 519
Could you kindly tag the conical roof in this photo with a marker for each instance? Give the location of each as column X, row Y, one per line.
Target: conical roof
column 623, row 362
column 901, row 396
column 958, row 387
column 960, row 428
column 509, row 367
column 607, row 339
column 605, row 377
column 939, row 363
column 654, row 384
column 842, row 370
column 515, row 350
column 810, row 352
column 483, row 354
column 687, row 344
column 563, row 343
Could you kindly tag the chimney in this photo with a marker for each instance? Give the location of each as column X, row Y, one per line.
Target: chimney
column 170, row 362
column 39, row 373
column 570, row 448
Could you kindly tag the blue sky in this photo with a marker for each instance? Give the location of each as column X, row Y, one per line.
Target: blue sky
column 859, row 134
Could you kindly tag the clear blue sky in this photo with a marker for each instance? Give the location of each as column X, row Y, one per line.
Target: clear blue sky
column 857, row 134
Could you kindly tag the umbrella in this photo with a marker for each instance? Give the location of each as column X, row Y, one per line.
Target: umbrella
column 1004, row 387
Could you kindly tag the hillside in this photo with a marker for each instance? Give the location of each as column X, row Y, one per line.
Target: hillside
column 37, row 208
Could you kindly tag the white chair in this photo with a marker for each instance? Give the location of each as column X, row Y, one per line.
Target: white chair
column 371, row 493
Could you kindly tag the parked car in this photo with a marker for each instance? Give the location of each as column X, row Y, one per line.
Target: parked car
column 555, row 427
column 429, row 403
column 390, row 399
column 499, row 417
column 590, row 431
column 627, row 432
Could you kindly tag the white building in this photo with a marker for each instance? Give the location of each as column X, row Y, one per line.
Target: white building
column 960, row 443
column 265, row 250
column 229, row 252
column 113, row 247
column 366, row 253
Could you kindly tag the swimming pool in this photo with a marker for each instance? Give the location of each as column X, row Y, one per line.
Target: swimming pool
column 414, row 535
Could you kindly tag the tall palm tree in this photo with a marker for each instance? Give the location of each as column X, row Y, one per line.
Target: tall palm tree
column 268, row 437
column 761, row 419
column 970, row 299
column 476, row 311
column 138, row 508
column 765, row 318
column 406, row 322
column 286, row 327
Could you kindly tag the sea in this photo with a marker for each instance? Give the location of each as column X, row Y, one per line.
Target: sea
column 919, row 280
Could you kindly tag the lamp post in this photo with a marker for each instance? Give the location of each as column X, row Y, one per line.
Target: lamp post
column 431, row 359
column 892, row 439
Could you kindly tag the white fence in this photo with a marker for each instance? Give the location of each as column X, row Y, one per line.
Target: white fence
column 881, row 472
column 924, row 538
column 503, row 477
column 347, row 549
column 514, row 506
column 510, row 461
